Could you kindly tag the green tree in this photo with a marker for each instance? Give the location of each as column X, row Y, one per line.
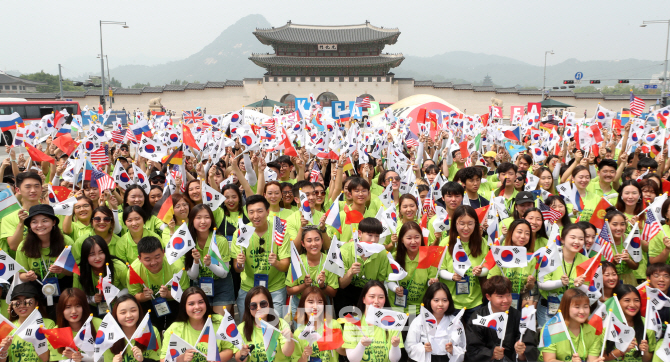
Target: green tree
column 51, row 81
column 176, row 82
column 115, row 83
column 141, row 85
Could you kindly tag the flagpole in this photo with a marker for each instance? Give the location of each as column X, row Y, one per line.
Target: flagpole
column 607, row 326
column 442, row 260
column 593, row 261
column 504, row 329
column 646, row 322
column 567, row 332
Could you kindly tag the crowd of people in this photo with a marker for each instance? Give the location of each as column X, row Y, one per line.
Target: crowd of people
column 443, row 202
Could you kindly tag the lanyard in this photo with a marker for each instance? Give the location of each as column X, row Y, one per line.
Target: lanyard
column 149, row 280
column 46, row 266
column 581, row 337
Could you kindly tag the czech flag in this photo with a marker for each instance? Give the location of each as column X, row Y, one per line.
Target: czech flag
column 513, row 134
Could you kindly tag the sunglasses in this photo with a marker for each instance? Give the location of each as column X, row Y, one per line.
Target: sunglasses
column 26, row 303
column 320, row 193
column 261, row 242
column 519, row 178
column 99, row 219
column 396, row 178
column 287, row 193
column 263, row 304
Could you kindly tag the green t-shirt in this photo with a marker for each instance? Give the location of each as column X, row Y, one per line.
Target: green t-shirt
column 120, row 276
column 40, row 265
column 224, row 250
column 332, row 280
column 283, row 214
column 126, row 247
column 54, row 355
column 258, row 354
column 22, row 351
column 324, row 356
column 293, row 223
column 474, row 297
column 128, row 353
column 155, row 281
column 594, row 187
column 347, row 229
column 570, row 271
column 591, row 201
column 656, row 245
column 76, row 249
column 155, row 225
column 257, row 261
column 375, row 267
column 518, row 276
column 416, row 282
column 190, row 335
column 378, row 351
column 431, row 230
column 587, row 343
column 7, row 229
column 79, row 229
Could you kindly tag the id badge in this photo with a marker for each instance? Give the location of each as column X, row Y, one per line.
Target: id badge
column 207, row 286
column 53, row 281
column 314, row 359
column 553, row 302
column 463, row 287
column 160, row 306
column 401, row 301
column 515, row 300
column 102, row 308
column 261, row 280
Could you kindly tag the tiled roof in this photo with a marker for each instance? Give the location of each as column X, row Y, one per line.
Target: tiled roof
column 67, row 94
column 152, row 90
column 561, row 93
column 530, row 92
column 174, row 88
column 10, row 79
column 271, row 59
column 423, row 83
column 94, row 92
column 234, row 83
column 483, row 88
column 597, row 95
column 195, row 86
column 317, row 34
column 128, row 91
column 215, row 84
column 443, row 85
column 616, row 96
column 33, row 95
column 463, row 87
column 507, row 90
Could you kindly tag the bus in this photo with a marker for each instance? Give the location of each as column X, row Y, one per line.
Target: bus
column 34, row 111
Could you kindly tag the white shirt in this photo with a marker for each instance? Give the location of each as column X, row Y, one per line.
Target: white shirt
column 417, row 337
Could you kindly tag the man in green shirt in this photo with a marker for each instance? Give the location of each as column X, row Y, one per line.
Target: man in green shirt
column 452, row 195
column 156, row 273
column 507, row 175
column 255, row 263
column 12, row 230
column 605, row 183
column 287, row 168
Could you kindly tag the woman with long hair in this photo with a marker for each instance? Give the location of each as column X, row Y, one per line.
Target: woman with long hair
column 581, row 176
column 610, row 280
column 128, row 313
column 194, row 309
column 358, row 341
column 95, row 262
column 659, row 245
column 553, row 285
column 103, row 225
column 556, row 202
column 134, row 218
column 155, row 194
column 182, row 207
column 625, row 265
column 409, row 291
column 639, row 349
column 24, row 298
column 72, row 311
column 272, row 192
column 210, row 274
column 590, row 232
column 233, row 209
column 522, row 278
column 630, row 202
column 587, row 345
column 466, row 290
column 313, row 261
column 314, row 306
column 546, row 180
column 408, row 208
column 257, row 307
column 135, row 196
column 538, row 234
column 443, row 345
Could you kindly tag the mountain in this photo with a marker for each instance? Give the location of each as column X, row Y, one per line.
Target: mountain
column 227, row 58
column 224, row 58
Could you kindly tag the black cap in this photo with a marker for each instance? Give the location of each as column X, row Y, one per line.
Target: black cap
column 156, row 174
column 524, row 197
column 28, row 290
column 41, row 209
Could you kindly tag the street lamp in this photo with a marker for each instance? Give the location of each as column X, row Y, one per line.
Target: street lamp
column 102, row 59
column 667, row 41
column 544, row 81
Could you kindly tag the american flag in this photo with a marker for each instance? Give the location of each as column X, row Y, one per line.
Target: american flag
column 636, row 106
column 100, row 157
column 104, row 181
column 651, row 226
column 603, row 242
column 362, row 102
column 176, row 174
column 279, row 230
column 314, row 175
column 411, row 140
column 548, row 213
column 117, row 136
column 192, row 116
column 270, row 125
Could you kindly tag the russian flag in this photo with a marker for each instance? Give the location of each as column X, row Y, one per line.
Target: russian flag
column 66, row 261
column 333, row 216
column 344, row 115
column 513, row 134
column 66, row 129
column 11, row 121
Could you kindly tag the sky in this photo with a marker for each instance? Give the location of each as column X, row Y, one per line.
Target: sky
column 45, row 33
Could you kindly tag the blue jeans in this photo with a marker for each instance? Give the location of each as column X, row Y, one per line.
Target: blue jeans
column 278, row 302
column 542, row 317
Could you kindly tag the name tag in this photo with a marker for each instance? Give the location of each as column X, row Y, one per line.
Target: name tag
column 103, row 308
column 463, row 287
column 207, row 286
column 261, row 280
column 553, row 302
column 160, row 306
column 401, row 301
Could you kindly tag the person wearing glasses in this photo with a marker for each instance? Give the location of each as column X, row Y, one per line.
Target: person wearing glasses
column 286, row 170
column 25, row 297
column 257, row 303
column 103, row 225
column 297, row 221
column 385, row 178
column 261, row 262
column 97, row 260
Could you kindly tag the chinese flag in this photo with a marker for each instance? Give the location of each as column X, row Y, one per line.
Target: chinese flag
column 481, row 213
column 188, row 138
column 330, row 340
column 353, row 217
column 665, row 186
column 421, row 116
column 61, row 192
column 583, row 268
column 6, row 327
column 489, row 262
column 642, row 288
column 485, row 119
column 59, row 337
column 37, row 155
column 430, row 256
column 66, row 143
column 133, row 277
column 598, row 217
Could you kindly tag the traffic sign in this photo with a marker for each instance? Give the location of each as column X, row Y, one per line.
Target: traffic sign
column 651, row 86
column 579, row 75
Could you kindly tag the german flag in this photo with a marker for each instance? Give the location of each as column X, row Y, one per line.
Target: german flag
column 348, row 165
column 164, row 209
column 176, row 158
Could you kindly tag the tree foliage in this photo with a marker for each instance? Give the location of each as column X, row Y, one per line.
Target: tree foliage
column 51, row 81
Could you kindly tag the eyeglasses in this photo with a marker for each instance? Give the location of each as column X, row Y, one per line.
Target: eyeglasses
column 101, row 219
column 391, row 178
column 83, row 206
column 254, row 306
column 287, row 193
column 26, row 303
column 320, row 193
column 661, row 276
